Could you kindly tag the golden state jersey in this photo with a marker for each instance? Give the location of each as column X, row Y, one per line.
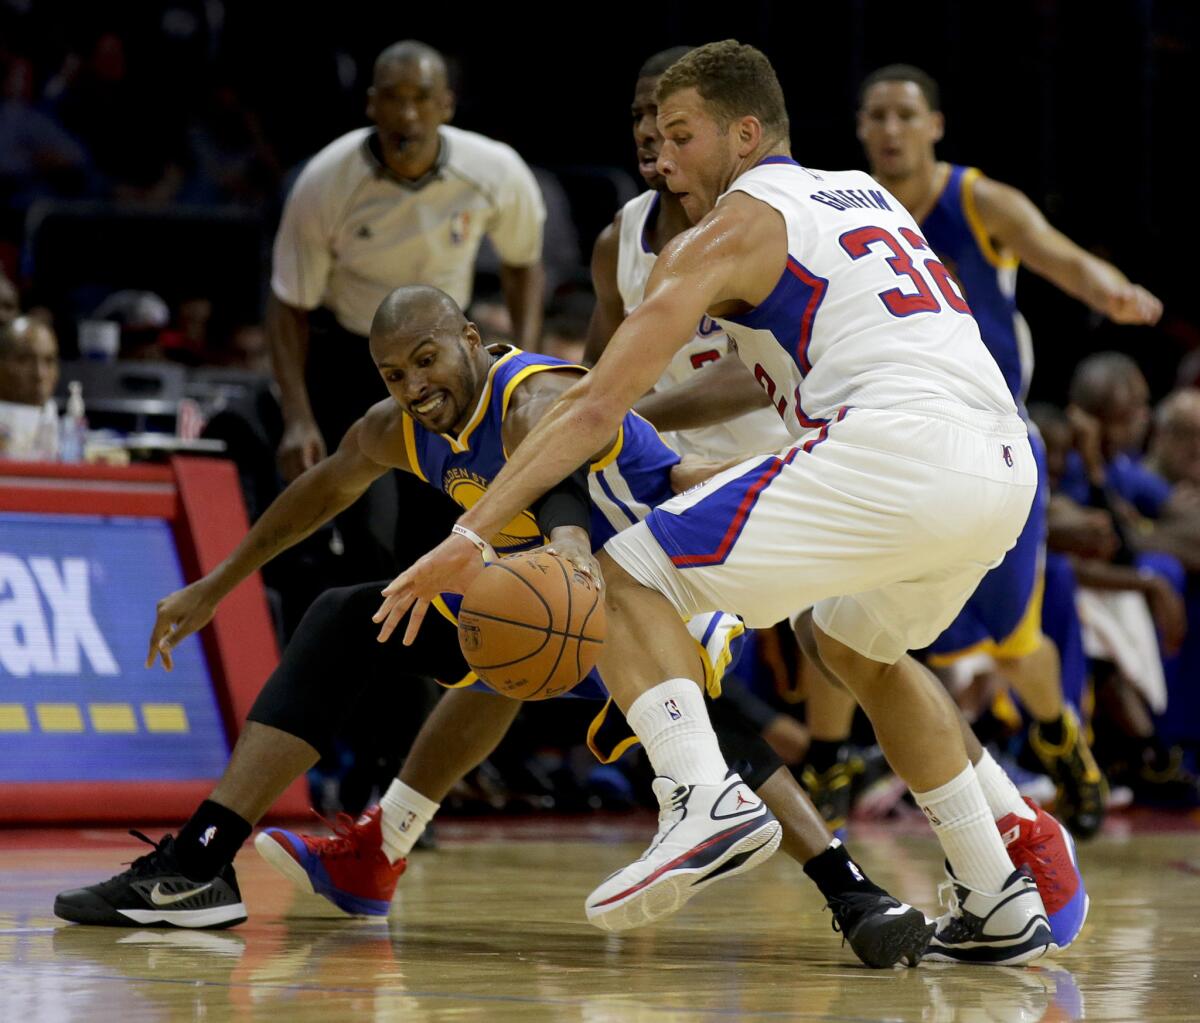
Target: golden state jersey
column 624, row 484
column 987, row 278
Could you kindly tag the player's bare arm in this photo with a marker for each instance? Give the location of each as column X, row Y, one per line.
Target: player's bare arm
column 724, row 390
column 1018, row 226
column 311, row 500
column 609, row 310
column 730, row 261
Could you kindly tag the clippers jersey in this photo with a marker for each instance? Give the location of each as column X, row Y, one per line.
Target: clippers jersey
column 988, row 279
column 750, row 434
column 630, row 479
column 863, row 314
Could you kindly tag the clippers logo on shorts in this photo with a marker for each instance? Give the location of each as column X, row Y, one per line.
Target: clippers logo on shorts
column 672, row 709
column 1008, row 455
column 46, row 621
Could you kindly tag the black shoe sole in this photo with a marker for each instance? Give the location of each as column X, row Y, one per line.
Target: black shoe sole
column 901, row 940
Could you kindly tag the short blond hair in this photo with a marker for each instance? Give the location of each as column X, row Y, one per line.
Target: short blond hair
column 735, row 80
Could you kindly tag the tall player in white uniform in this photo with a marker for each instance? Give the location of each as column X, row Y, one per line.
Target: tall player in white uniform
column 911, row 475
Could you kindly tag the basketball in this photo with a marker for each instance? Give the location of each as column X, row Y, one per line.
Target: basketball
column 531, row 627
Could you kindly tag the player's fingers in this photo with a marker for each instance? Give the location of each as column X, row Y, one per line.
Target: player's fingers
column 385, row 608
column 396, row 585
column 156, row 635
column 1151, row 308
column 165, row 646
column 396, row 606
column 389, row 626
column 414, row 621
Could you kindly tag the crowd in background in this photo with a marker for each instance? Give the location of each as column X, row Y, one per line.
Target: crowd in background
column 82, row 139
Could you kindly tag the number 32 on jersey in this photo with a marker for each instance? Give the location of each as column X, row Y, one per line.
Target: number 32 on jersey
column 863, row 242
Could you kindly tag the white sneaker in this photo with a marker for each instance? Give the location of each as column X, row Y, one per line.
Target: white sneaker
column 705, row 833
column 1005, row 928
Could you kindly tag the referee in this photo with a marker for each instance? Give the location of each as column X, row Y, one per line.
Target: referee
column 407, row 201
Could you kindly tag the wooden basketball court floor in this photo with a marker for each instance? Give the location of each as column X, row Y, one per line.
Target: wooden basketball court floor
column 490, row 927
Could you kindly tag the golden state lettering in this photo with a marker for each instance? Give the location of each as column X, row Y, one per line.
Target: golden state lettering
column 466, row 487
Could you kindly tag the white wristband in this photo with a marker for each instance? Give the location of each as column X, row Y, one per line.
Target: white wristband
column 484, row 548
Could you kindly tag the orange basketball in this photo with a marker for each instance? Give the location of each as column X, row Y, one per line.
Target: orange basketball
column 531, row 627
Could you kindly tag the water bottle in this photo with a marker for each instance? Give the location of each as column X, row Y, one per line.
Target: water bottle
column 73, row 429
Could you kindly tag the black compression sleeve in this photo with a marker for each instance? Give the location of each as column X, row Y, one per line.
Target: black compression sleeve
column 565, row 504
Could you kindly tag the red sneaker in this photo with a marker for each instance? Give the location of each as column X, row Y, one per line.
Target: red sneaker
column 349, row 869
column 1044, row 850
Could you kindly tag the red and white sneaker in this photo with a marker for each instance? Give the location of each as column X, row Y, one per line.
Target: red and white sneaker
column 350, row 868
column 706, row 833
column 1043, row 849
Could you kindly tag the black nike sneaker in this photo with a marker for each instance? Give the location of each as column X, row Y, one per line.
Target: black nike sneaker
column 882, row 930
column 153, row 893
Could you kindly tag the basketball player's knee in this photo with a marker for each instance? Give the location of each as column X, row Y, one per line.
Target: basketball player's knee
column 847, row 666
column 806, row 639
column 620, row 588
column 344, row 612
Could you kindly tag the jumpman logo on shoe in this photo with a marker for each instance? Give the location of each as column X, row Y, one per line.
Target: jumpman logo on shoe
column 742, row 801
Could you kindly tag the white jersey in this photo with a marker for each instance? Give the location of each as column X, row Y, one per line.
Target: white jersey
column 864, row 315
column 750, row 434
column 352, row 231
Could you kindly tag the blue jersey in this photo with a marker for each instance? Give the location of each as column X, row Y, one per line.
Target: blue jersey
column 988, row 279
column 625, row 483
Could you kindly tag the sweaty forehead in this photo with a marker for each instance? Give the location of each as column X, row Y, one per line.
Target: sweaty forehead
column 672, row 114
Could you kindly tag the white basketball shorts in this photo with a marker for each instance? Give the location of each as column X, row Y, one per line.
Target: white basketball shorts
column 884, row 520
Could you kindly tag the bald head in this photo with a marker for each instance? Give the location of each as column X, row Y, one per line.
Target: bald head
column 416, row 309
column 430, row 357
column 409, row 100
column 28, row 361
column 410, row 52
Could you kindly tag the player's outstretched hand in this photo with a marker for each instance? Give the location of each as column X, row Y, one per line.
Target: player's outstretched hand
column 448, row 568
column 1134, row 304
column 179, row 615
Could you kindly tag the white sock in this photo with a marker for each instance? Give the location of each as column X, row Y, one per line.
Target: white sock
column 964, row 826
column 999, row 791
column 405, row 814
column 672, row 722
